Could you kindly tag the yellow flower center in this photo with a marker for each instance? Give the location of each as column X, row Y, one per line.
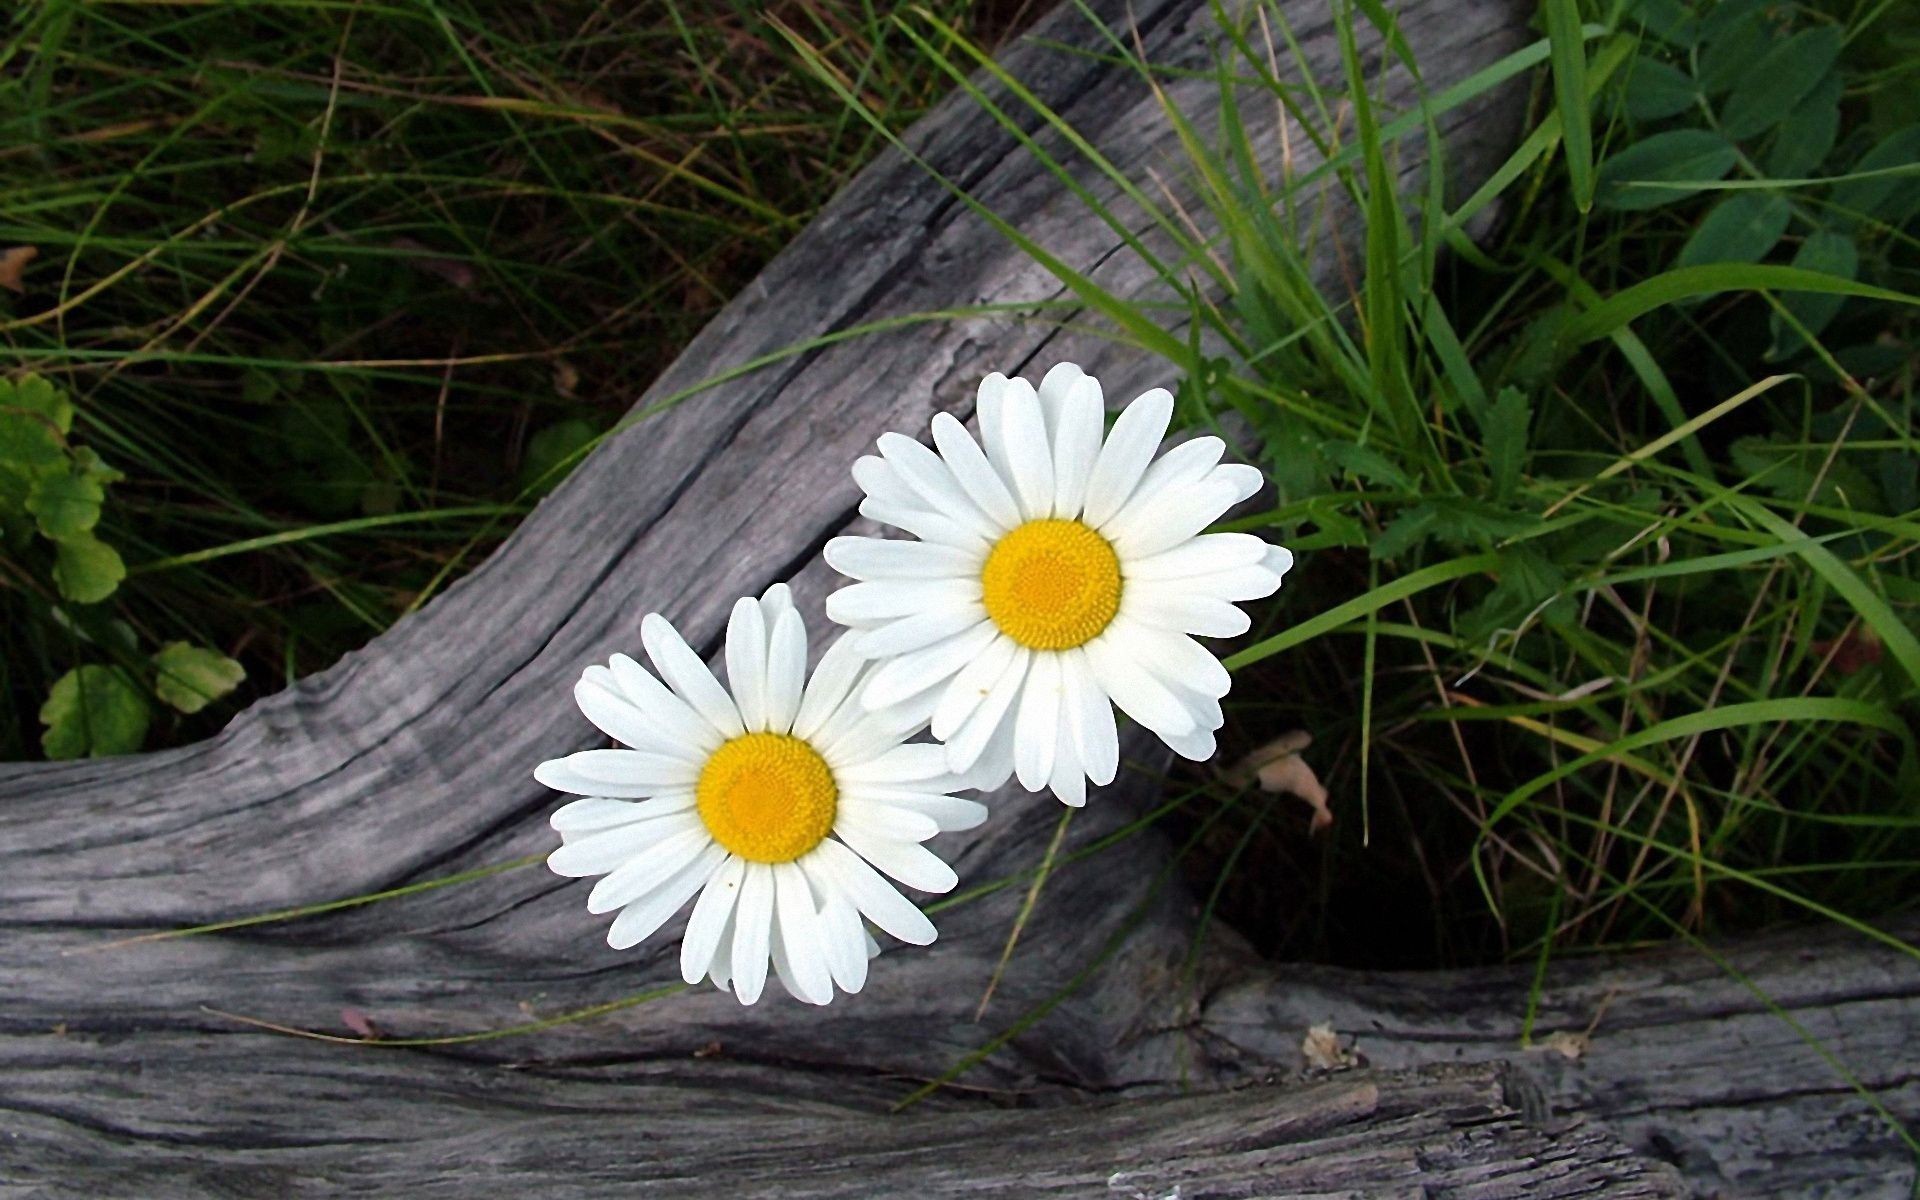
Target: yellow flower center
column 768, row 797
column 1051, row 584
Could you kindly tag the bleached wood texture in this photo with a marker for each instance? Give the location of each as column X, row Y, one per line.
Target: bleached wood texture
column 411, row 760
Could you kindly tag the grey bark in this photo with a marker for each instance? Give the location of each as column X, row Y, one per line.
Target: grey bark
column 411, row 760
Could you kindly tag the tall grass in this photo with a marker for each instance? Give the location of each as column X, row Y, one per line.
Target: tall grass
column 334, row 286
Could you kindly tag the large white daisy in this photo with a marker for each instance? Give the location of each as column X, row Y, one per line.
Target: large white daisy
column 773, row 803
column 1056, row 574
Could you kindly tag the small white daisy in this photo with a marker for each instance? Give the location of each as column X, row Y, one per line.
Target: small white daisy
column 1055, row 573
column 734, row 796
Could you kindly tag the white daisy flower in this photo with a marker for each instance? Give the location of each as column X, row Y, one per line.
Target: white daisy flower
column 773, row 804
column 1056, row 574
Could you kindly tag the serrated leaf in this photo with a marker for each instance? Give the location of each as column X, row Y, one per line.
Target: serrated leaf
column 1832, row 254
column 1405, row 532
column 90, row 464
column 1364, row 462
column 65, row 506
column 1655, row 89
column 86, row 569
column 1676, row 156
column 190, row 677
column 1468, row 523
column 1740, row 228
column 1889, row 199
column 1505, row 435
column 34, row 420
column 93, row 711
column 1806, row 137
column 1784, row 76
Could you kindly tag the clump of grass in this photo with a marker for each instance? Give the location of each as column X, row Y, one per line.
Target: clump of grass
column 334, row 288
column 1604, row 620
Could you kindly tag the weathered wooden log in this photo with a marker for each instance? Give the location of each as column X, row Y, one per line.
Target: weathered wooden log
column 122, row 1070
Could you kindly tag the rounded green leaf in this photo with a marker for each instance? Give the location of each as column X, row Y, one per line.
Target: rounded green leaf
column 66, row 506
column 190, row 677
column 1741, row 228
column 550, row 447
column 1677, row 156
column 1889, row 199
column 86, row 569
column 1735, row 35
column 1655, row 89
column 34, row 420
column 1829, row 253
column 1772, row 88
column 92, row 711
column 1806, row 137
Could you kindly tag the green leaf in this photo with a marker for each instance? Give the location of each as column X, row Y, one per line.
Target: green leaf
column 1740, row 228
column 87, row 570
column 1734, row 36
column 1669, row 20
column 1889, row 199
column 1405, row 532
column 1832, row 254
column 191, row 677
column 1622, row 308
column 550, row 447
column 1775, row 86
column 1569, row 61
column 67, row 506
column 34, row 420
column 1676, row 156
column 1364, row 462
column 1806, row 137
column 1655, row 89
column 1505, row 434
column 93, row 711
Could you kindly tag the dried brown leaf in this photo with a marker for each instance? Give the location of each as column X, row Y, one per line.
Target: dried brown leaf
column 13, row 266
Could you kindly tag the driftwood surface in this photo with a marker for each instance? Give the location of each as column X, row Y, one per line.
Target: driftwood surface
column 1131, row 1066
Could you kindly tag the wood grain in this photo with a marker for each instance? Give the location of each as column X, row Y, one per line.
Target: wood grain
column 411, row 759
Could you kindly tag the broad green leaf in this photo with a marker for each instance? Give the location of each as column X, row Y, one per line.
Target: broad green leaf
column 90, row 464
column 1669, row 20
column 550, row 447
column 34, row 420
column 1741, row 228
column 1569, row 61
column 86, row 569
column 1782, row 78
column 1829, row 253
column 66, row 506
column 1655, row 89
column 1506, row 437
column 1676, row 156
column 1735, row 35
column 93, row 711
column 1889, row 199
column 1806, row 137
column 190, row 677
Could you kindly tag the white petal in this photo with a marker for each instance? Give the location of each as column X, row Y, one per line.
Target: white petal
column 585, row 774
column 1054, row 387
column 974, row 733
column 797, row 933
column 990, row 409
column 752, row 933
column 1068, row 782
column 1197, row 746
column 786, row 669
column 971, row 535
column 1090, row 716
column 844, row 937
column 846, row 744
column 1175, row 658
column 872, row 895
column 598, row 853
column 832, row 680
column 911, row 674
column 747, row 662
column 949, row 813
column 1123, row 459
column 709, row 920
column 971, row 686
column 908, row 862
column 878, row 558
column 1181, row 467
column 1166, row 606
column 645, row 871
column 1036, row 723
column 676, row 718
column 1134, row 691
column 902, row 764
column 777, row 599
column 621, row 719
column 1143, row 530
column 974, row 473
column 1235, row 586
column 688, row 676
column 1204, row 555
column 1279, row 560
column 596, row 812
column 921, row 629
column 1076, row 445
column 889, row 599
column 993, row 767
column 876, row 477
column 639, row 920
column 1029, row 453
column 929, row 477
column 883, row 821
